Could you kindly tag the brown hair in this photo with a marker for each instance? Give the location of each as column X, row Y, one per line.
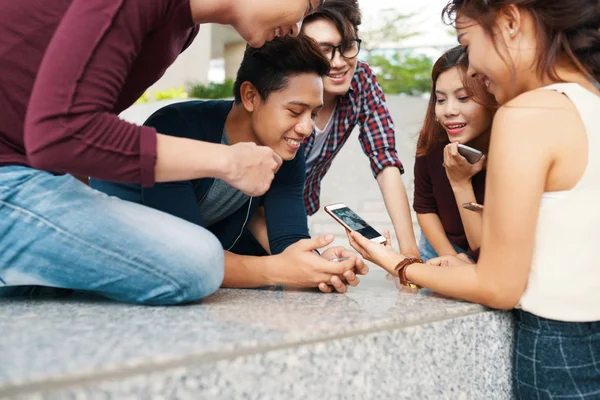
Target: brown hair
column 432, row 131
column 344, row 14
column 569, row 29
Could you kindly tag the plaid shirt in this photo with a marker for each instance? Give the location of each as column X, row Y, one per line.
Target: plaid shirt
column 365, row 105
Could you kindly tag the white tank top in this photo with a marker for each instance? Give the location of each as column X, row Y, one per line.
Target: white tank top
column 564, row 281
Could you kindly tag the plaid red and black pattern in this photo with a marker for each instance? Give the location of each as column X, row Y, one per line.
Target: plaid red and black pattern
column 363, row 105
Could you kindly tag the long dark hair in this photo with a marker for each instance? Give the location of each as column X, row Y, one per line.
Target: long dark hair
column 432, row 131
column 569, row 29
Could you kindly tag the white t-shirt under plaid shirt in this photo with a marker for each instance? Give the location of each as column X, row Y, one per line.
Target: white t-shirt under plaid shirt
column 363, row 105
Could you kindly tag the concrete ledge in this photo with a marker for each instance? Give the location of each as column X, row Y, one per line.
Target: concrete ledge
column 371, row 342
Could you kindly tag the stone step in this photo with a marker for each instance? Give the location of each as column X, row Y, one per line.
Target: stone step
column 373, row 342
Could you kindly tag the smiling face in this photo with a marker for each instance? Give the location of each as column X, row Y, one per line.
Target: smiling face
column 504, row 63
column 462, row 118
column 286, row 117
column 259, row 21
column 325, row 33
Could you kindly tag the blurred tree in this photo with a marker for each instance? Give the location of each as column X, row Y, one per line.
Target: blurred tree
column 401, row 72
column 404, row 73
column 390, row 25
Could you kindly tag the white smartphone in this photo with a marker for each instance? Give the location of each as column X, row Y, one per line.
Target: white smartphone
column 350, row 220
column 472, row 155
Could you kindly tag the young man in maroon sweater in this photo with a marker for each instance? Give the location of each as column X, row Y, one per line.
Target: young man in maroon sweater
column 67, row 68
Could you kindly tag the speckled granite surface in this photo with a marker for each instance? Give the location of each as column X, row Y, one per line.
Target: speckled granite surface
column 374, row 341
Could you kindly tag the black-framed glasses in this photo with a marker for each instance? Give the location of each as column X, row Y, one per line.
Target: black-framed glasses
column 347, row 50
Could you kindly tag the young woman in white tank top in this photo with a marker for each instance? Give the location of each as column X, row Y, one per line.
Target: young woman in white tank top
column 541, row 223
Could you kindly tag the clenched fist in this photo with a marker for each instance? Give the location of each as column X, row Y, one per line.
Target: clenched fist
column 251, row 168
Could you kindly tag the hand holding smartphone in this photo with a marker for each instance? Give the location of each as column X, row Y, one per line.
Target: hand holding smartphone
column 351, row 221
column 472, row 155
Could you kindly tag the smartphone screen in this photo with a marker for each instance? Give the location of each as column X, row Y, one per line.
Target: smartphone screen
column 355, row 222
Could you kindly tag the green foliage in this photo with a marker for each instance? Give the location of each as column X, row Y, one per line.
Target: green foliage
column 212, row 90
column 171, row 93
column 404, row 73
column 401, row 72
column 198, row 91
column 145, row 98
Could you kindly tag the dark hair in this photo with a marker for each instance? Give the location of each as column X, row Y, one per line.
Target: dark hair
column 432, row 131
column 569, row 29
column 344, row 14
column 268, row 68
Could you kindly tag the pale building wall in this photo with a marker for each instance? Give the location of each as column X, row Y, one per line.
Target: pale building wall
column 233, row 54
column 191, row 66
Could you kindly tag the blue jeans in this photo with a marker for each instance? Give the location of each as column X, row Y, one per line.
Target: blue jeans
column 57, row 232
column 427, row 251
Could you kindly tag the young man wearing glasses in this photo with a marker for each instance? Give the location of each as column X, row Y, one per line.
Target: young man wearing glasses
column 352, row 96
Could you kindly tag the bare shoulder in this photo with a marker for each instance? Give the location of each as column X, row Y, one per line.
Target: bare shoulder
column 537, row 113
column 540, row 98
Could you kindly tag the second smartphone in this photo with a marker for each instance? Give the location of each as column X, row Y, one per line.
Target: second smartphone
column 472, row 155
column 351, row 221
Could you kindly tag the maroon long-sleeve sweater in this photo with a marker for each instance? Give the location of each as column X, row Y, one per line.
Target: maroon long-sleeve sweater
column 68, row 67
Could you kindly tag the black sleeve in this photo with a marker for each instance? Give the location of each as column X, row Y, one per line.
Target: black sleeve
column 424, row 201
column 175, row 198
column 285, row 213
